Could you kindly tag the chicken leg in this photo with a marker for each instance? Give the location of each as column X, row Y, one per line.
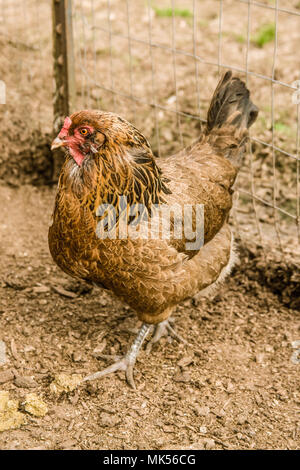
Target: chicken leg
column 163, row 329
column 128, row 361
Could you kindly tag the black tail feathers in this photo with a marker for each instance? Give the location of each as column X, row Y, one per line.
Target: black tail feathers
column 231, row 105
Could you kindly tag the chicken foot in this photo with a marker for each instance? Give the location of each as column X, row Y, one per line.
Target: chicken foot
column 163, row 329
column 128, row 361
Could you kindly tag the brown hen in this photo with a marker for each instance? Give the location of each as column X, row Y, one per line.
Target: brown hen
column 110, row 169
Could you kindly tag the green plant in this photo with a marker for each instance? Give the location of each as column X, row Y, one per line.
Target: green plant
column 240, row 38
column 264, row 35
column 282, row 128
column 168, row 12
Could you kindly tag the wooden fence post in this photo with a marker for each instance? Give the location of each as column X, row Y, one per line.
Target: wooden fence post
column 64, row 70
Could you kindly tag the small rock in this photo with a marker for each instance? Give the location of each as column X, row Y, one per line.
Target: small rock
column 194, row 446
column 171, row 99
column 4, row 397
column 76, row 356
column 13, row 349
column 201, row 410
column 10, row 417
column 92, row 388
column 35, row 405
column 109, row 420
column 242, row 419
column 64, row 292
column 185, row 361
column 3, row 357
column 220, row 413
column 25, row 382
column 68, row 444
column 209, row 444
column 203, row 429
column 183, row 377
column 65, row 383
column 6, row 376
column 41, row 289
column 99, row 349
column 259, row 358
column 230, row 388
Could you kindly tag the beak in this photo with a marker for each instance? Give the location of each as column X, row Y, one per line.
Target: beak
column 57, row 143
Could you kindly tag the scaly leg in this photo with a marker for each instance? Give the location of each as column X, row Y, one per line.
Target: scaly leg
column 127, row 363
column 163, row 329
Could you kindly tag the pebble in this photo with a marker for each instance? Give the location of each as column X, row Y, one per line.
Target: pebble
column 25, row 382
column 76, row 356
column 99, row 349
column 242, row 419
column 184, row 377
column 35, row 405
column 6, row 376
column 259, row 358
column 3, row 357
column 10, row 417
column 40, row 289
column 185, row 361
column 68, row 444
column 209, row 444
column 109, row 420
column 65, row 383
column 201, row 410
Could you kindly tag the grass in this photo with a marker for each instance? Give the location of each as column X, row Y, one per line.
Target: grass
column 264, row 35
column 168, row 12
column 282, row 128
column 240, row 38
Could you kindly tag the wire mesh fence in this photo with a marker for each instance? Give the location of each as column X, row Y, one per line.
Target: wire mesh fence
column 26, row 62
column 26, row 70
column 157, row 64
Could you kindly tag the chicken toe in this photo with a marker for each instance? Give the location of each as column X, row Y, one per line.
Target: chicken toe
column 128, row 361
column 163, row 329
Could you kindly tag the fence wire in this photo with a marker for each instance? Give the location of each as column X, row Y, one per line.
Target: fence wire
column 157, row 63
column 26, row 62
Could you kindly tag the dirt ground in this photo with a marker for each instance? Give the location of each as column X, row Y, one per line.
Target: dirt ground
column 233, row 386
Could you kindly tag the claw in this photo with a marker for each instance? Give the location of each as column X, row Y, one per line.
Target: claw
column 129, row 376
column 127, row 363
column 163, row 329
column 122, row 364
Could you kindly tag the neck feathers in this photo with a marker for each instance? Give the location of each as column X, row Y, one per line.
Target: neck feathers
column 105, row 177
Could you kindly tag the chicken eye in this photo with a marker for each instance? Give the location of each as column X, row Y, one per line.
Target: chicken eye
column 83, row 131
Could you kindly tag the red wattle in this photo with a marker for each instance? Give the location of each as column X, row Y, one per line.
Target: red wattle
column 78, row 157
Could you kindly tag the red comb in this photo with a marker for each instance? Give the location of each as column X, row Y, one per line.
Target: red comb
column 65, row 128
